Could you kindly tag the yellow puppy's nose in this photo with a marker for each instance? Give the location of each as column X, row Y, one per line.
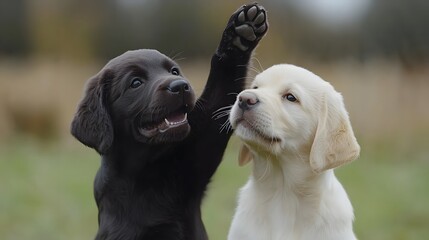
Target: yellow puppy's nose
column 247, row 100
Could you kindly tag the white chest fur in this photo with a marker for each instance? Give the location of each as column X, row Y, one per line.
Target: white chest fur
column 275, row 207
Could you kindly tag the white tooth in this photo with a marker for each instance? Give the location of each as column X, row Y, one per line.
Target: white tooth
column 166, row 121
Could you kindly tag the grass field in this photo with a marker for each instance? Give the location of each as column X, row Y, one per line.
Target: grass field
column 46, row 191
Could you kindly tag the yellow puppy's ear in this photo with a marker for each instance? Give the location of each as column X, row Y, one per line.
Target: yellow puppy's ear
column 244, row 156
column 334, row 142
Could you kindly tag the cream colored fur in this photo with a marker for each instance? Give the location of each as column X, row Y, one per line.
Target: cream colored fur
column 293, row 193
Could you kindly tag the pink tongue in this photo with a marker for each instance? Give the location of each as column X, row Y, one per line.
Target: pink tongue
column 176, row 117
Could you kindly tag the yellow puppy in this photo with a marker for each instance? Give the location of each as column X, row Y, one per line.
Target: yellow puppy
column 296, row 129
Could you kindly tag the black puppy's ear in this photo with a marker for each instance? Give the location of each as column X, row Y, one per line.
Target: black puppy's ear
column 92, row 124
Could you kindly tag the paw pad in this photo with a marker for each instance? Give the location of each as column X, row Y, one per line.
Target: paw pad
column 250, row 25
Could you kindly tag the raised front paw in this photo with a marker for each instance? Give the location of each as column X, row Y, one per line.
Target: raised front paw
column 244, row 30
column 250, row 24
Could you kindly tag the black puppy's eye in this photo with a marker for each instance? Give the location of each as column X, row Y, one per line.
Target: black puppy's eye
column 136, row 82
column 255, row 87
column 175, row 71
column 290, row 97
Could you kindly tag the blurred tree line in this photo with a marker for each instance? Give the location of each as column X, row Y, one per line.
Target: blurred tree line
column 101, row 29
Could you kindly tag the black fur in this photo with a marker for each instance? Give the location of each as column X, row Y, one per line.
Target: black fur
column 154, row 172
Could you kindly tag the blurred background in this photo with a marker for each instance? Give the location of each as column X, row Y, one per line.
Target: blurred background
column 376, row 52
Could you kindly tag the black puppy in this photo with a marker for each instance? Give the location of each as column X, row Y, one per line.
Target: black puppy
column 159, row 147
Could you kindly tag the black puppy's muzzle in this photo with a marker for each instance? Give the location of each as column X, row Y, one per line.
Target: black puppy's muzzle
column 167, row 119
column 175, row 93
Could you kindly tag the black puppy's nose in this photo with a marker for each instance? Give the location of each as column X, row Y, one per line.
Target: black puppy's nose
column 178, row 86
column 247, row 100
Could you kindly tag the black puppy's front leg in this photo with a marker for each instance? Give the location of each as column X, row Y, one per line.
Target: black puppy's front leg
column 228, row 72
column 229, row 64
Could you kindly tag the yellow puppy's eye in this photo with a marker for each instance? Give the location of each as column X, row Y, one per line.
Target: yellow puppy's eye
column 290, row 97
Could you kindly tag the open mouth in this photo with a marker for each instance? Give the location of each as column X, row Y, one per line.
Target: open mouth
column 171, row 121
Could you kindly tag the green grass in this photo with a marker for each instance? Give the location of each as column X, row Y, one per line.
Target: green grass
column 46, row 191
column 389, row 189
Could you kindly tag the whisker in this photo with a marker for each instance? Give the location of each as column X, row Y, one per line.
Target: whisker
column 242, row 65
column 199, row 105
column 177, row 55
column 248, row 66
column 254, row 69
column 243, row 78
column 259, row 63
column 223, row 108
column 229, row 127
column 222, row 127
column 179, row 59
column 221, row 112
column 220, row 116
column 225, row 126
